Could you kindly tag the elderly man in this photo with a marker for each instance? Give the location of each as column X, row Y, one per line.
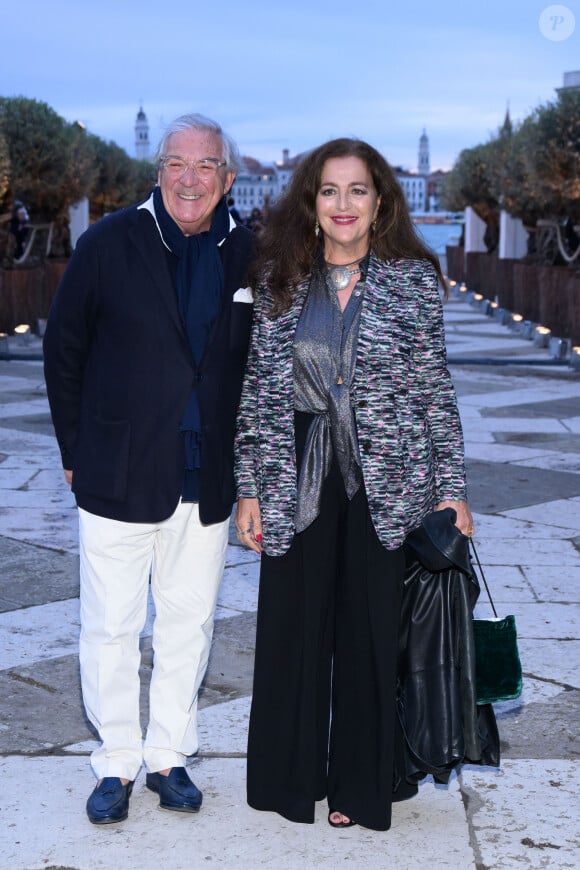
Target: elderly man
column 145, row 350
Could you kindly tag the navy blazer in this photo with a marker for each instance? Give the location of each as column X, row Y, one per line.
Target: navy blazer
column 119, row 372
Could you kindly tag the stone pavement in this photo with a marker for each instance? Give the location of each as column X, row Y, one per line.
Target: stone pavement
column 522, row 428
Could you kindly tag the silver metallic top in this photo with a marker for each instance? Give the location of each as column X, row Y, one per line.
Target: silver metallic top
column 324, row 361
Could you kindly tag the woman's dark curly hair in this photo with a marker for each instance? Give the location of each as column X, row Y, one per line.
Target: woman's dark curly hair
column 287, row 246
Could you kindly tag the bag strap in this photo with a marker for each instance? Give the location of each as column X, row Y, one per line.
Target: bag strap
column 472, row 545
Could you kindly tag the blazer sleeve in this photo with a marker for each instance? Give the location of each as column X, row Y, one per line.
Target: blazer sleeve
column 67, row 344
column 246, row 440
column 440, row 402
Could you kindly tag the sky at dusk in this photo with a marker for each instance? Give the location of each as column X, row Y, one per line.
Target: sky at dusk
column 293, row 75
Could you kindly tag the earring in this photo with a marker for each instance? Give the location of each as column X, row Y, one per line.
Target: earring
column 374, row 225
column 316, row 228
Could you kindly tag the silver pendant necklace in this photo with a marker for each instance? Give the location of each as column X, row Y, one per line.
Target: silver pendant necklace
column 340, row 276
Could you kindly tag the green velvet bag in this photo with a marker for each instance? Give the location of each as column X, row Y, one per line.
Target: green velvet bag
column 498, row 668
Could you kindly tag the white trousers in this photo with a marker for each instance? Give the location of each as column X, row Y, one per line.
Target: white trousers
column 185, row 561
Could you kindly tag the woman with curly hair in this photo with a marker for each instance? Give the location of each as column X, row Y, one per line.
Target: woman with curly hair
column 348, row 435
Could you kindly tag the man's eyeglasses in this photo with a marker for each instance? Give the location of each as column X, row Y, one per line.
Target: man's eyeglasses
column 203, row 168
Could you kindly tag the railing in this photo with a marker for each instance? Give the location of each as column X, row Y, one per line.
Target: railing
column 38, row 243
column 556, row 228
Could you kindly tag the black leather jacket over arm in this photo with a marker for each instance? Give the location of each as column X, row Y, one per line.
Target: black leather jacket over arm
column 436, row 696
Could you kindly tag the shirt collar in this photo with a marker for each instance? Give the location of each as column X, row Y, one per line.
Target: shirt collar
column 148, row 206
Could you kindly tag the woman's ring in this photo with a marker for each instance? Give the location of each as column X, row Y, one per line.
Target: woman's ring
column 246, row 531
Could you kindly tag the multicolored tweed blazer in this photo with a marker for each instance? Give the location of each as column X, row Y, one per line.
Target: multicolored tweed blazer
column 409, row 432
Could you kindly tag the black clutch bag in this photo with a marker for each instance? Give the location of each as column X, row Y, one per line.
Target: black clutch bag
column 498, row 668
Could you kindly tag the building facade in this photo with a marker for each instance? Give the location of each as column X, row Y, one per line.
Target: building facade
column 414, row 187
column 259, row 185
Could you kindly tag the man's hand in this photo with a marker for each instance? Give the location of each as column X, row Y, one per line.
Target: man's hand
column 68, row 476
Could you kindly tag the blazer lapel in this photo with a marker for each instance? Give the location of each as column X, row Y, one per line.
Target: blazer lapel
column 145, row 236
column 376, row 339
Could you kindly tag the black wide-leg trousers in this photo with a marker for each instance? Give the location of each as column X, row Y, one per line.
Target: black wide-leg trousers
column 323, row 719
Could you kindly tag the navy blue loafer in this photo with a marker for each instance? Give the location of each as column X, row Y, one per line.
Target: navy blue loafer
column 176, row 791
column 109, row 802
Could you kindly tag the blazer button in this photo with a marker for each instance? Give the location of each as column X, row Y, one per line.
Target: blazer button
column 362, row 404
column 366, row 446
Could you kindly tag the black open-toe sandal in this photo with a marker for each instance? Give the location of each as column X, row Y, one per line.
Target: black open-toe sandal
column 332, row 824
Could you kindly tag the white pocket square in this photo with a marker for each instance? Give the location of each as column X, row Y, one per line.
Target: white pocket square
column 244, row 294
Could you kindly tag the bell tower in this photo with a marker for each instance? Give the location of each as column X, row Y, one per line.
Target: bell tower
column 424, row 167
column 141, row 136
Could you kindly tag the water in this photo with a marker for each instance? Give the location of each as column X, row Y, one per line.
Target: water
column 437, row 236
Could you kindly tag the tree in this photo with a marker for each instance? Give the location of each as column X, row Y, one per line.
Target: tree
column 120, row 180
column 4, row 166
column 544, row 166
column 541, row 182
column 533, row 172
column 51, row 162
column 471, row 182
column 145, row 178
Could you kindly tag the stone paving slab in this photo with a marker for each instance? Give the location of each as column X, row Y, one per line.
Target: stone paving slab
column 494, row 487
column 32, row 575
column 528, row 796
column 34, row 634
column 559, row 408
column 559, row 522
